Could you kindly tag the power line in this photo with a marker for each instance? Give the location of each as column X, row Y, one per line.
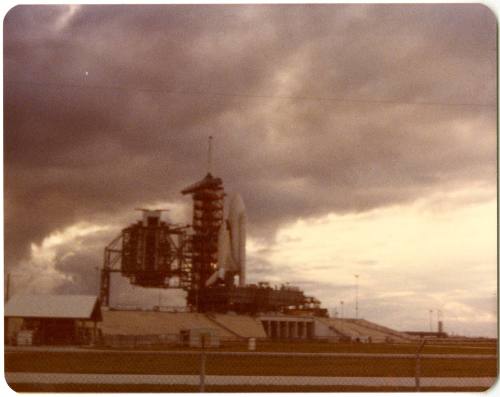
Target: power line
column 166, row 91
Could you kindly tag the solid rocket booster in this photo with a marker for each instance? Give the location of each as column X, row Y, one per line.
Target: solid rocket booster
column 237, row 220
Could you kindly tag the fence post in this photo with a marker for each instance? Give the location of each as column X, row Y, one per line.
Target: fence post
column 417, row 366
column 202, row 364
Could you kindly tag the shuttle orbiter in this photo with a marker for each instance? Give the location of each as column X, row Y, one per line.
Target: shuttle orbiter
column 231, row 247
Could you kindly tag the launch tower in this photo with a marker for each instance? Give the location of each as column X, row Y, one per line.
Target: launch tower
column 208, row 207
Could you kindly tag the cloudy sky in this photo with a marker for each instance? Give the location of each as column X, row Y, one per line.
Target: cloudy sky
column 362, row 139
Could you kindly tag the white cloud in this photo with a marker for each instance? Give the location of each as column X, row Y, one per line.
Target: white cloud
column 38, row 274
column 438, row 253
column 66, row 16
column 85, row 242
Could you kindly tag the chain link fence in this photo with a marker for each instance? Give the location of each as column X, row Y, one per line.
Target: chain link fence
column 169, row 363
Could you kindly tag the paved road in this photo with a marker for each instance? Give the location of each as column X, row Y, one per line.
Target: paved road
column 61, row 378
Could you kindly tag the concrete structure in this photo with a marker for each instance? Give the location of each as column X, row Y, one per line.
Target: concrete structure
column 279, row 326
column 225, row 326
column 65, row 320
column 53, row 319
column 361, row 330
column 240, row 325
column 176, row 327
column 288, row 327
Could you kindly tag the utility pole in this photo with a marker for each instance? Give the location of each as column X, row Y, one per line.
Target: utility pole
column 341, row 316
column 209, row 165
column 357, row 288
column 439, row 321
column 98, row 277
column 7, row 287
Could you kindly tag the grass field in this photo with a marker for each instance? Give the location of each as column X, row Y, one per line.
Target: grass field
column 79, row 388
column 152, row 363
column 123, row 362
column 339, row 347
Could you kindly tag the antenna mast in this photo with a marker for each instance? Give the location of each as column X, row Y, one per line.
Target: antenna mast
column 209, row 165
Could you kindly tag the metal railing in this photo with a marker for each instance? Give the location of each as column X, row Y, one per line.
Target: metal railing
column 417, row 357
column 237, row 368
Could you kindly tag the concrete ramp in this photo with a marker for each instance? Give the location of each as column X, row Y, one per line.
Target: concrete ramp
column 243, row 326
column 124, row 322
column 365, row 330
column 227, row 326
column 396, row 334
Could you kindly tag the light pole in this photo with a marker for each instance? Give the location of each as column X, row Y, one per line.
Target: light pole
column 430, row 319
column 439, row 314
column 7, row 288
column 341, row 316
column 357, row 287
column 98, row 276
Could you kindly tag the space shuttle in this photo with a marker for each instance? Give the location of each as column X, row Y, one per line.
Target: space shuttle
column 231, row 243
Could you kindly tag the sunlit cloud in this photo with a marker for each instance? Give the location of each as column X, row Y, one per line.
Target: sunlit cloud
column 414, row 255
column 38, row 274
column 65, row 17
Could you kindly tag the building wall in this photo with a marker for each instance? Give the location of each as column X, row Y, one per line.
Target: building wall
column 322, row 330
column 51, row 331
column 288, row 327
column 11, row 326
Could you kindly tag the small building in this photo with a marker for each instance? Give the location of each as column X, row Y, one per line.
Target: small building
column 427, row 334
column 52, row 319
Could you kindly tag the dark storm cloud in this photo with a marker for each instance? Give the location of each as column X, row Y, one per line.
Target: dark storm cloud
column 82, row 272
column 312, row 107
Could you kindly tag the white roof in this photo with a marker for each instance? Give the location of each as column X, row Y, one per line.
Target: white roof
column 51, row 306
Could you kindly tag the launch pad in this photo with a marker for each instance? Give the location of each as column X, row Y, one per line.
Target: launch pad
column 207, row 259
